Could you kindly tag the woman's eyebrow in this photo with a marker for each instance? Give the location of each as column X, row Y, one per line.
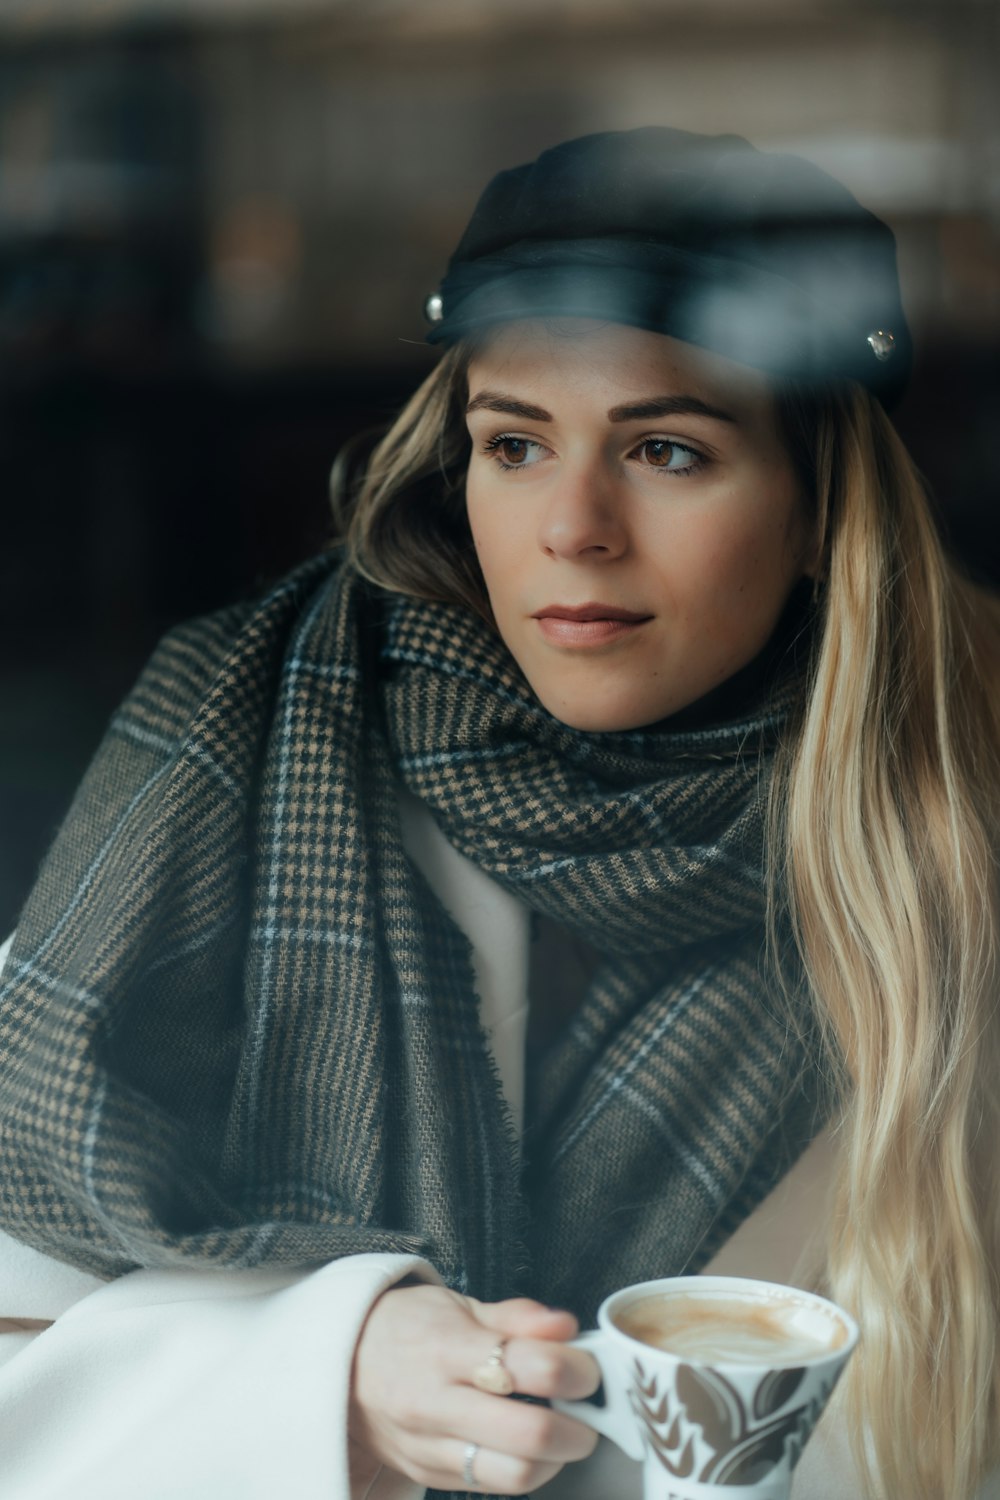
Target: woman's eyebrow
column 668, row 406
column 495, row 401
column 635, row 411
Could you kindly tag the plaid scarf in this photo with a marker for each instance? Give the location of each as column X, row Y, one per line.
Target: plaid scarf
column 237, row 1027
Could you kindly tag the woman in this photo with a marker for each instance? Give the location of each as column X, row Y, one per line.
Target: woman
column 644, row 627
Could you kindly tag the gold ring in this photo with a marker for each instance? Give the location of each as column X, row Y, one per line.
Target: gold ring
column 493, row 1376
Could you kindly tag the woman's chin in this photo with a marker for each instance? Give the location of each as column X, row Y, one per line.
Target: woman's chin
column 604, row 717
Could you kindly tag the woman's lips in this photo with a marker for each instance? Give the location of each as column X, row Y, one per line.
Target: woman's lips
column 587, row 624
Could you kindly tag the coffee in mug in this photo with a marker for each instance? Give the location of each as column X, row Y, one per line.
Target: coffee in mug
column 714, row 1383
column 724, row 1329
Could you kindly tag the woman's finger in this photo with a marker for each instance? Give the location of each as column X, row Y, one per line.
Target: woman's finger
column 460, row 1465
column 553, row 1371
column 536, row 1366
column 498, row 1473
column 520, row 1428
column 521, row 1317
column 444, row 1464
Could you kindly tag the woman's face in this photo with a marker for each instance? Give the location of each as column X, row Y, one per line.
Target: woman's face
column 636, row 517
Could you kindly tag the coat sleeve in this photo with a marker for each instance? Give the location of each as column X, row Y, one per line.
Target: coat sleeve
column 207, row 1384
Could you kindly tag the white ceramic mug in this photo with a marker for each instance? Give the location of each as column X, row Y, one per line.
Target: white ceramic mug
column 720, row 1415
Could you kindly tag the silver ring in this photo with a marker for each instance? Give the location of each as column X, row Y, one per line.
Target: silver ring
column 469, row 1465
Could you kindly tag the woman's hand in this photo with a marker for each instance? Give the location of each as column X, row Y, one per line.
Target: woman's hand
column 414, row 1407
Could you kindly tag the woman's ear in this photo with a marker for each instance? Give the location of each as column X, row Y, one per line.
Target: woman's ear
column 813, row 562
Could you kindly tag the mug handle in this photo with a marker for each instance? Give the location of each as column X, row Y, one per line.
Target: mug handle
column 615, row 1419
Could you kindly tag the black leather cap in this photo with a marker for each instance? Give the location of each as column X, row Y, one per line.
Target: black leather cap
column 759, row 256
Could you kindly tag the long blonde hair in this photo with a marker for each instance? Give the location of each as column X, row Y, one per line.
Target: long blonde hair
column 889, row 802
column 885, row 821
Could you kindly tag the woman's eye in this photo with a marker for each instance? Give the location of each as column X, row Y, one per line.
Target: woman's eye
column 514, row 452
column 673, row 458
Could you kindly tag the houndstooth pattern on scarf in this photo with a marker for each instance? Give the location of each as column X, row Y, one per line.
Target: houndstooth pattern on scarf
column 236, row 1026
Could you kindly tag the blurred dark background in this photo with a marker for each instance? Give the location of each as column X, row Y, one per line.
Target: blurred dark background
column 218, row 221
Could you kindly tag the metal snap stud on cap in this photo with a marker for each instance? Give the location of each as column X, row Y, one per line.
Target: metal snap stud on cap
column 434, row 308
column 882, row 343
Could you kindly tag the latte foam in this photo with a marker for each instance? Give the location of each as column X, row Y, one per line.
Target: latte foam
column 708, row 1329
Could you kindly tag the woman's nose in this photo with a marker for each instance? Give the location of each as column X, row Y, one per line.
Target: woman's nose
column 581, row 518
